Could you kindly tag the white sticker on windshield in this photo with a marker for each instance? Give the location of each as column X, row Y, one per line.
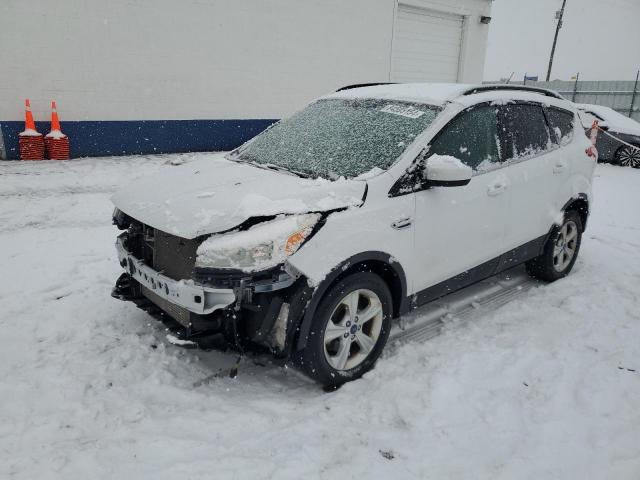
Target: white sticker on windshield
column 402, row 110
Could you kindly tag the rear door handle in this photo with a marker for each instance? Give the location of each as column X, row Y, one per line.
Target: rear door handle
column 402, row 223
column 497, row 188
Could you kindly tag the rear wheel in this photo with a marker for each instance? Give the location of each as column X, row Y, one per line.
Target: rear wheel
column 349, row 331
column 560, row 252
column 628, row 156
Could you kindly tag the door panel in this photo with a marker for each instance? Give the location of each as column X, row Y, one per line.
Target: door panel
column 534, row 164
column 459, row 228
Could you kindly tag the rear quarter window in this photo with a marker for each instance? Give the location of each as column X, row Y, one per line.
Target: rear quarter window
column 561, row 125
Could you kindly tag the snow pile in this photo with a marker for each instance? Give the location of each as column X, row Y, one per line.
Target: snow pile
column 258, row 205
column 547, row 386
column 374, row 172
column 446, row 168
column 57, row 134
column 430, row 93
column 211, row 194
column 29, row 132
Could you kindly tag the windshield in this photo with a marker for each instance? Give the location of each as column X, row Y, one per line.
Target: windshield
column 340, row 137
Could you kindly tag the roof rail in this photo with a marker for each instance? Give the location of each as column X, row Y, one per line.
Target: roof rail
column 360, row 85
column 523, row 88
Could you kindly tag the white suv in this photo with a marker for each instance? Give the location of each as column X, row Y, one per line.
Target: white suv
column 310, row 239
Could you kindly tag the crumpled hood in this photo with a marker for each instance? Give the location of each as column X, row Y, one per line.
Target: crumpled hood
column 213, row 195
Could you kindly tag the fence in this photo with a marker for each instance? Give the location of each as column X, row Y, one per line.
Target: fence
column 621, row 95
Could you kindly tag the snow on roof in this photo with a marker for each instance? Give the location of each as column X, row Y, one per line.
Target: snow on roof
column 440, row 93
column 431, row 93
column 615, row 121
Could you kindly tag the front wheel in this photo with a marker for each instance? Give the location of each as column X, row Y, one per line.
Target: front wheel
column 628, row 156
column 560, row 252
column 350, row 328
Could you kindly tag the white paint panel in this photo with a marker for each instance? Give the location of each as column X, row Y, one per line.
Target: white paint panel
column 426, row 45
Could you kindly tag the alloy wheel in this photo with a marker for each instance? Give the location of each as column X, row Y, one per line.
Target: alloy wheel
column 629, row 157
column 353, row 329
column 565, row 247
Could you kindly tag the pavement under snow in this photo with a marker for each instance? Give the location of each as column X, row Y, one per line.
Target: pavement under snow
column 547, row 386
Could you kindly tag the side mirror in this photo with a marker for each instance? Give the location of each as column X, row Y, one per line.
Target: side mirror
column 446, row 171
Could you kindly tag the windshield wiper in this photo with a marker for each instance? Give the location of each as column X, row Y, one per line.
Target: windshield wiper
column 235, row 157
column 278, row 168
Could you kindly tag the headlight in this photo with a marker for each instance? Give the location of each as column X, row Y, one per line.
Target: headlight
column 262, row 246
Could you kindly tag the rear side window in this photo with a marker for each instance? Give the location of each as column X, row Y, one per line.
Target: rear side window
column 471, row 137
column 561, row 125
column 525, row 130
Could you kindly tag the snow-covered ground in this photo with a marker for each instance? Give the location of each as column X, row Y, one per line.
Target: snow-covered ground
column 547, row 386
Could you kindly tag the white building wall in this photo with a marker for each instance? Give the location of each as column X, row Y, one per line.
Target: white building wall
column 200, row 59
column 167, row 59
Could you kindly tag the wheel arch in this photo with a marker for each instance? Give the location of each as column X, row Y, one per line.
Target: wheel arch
column 380, row 263
column 579, row 204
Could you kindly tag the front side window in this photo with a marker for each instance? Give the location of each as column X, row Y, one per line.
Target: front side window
column 472, row 138
column 335, row 138
column 525, row 129
column 561, row 124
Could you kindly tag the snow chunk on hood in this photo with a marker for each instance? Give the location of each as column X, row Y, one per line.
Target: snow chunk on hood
column 215, row 195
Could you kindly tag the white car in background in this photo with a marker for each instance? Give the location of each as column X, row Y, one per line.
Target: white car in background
column 313, row 237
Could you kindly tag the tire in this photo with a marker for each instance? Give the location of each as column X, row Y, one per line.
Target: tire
column 329, row 357
column 561, row 250
column 628, row 157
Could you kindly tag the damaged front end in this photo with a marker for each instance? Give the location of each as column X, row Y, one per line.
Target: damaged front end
column 213, row 307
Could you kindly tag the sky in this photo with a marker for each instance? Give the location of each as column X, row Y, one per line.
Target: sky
column 599, row 38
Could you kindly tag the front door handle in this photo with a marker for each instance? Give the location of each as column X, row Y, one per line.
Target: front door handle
column 496, row 188
column 402, row 223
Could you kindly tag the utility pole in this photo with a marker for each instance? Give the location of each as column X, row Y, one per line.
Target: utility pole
column 559, row 15
column 633, row 100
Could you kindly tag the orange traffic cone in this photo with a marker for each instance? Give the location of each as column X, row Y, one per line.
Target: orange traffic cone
column 57, row 142
column 30, row 141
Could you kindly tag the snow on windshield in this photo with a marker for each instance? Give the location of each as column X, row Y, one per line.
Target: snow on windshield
column 341, row 137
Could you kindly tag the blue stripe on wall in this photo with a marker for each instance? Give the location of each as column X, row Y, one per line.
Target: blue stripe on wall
column 123, row 137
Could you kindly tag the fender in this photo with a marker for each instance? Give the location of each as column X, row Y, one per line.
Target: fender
column 354, row 263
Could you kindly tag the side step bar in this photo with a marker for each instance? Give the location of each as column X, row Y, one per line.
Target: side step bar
column 426, row 322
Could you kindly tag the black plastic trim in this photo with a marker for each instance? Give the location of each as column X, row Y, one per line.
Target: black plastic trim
column 493, row 88
column 448, row 183
column 580, row 197
column 485, row 270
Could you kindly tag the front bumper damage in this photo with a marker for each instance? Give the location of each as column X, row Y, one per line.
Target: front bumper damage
column 187, row 294
column 216, row 309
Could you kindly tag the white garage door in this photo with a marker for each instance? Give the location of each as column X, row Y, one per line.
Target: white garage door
column 426, row 46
